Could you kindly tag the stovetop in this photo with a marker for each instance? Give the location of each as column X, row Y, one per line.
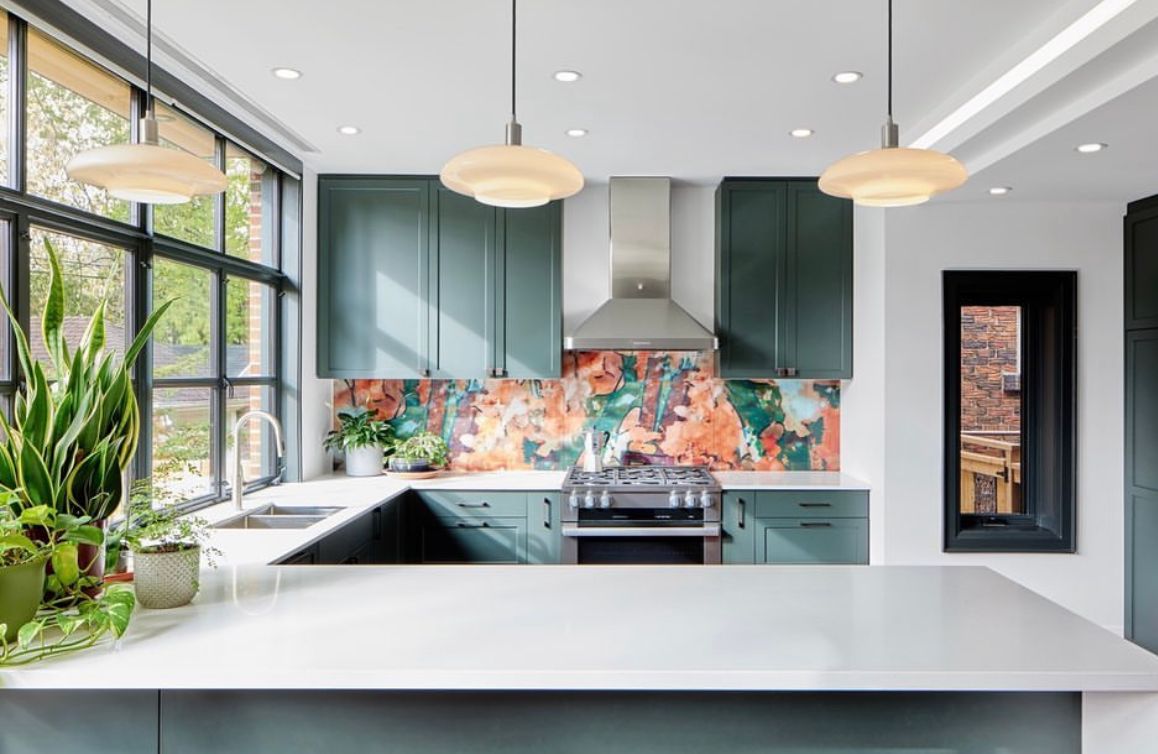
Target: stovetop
column 642, row 478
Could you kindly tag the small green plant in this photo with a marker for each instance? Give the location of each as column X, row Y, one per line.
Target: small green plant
column 357, row 428
column 155, row 524
column 424, row 446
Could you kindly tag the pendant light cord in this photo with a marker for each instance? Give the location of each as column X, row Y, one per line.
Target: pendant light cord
column 149, row 57
column 514, row 49
column 890, row 59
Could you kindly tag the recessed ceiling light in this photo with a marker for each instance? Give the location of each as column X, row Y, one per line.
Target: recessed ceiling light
column 289, row 74
column 576, row 132
column 568, row 77
column 848, row 77
column 1093, row 146
column 349, row 130
column 801, row 133
column 1000, row 190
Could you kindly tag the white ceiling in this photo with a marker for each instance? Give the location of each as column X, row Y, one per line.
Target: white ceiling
column 695, row 90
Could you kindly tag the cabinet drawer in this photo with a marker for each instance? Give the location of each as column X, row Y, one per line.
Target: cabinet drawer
column 473, row 540
column 475, row 504
column 815, row 540
column 812, row 504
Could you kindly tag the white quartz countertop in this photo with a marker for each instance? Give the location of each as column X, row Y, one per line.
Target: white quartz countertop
column 609, row 628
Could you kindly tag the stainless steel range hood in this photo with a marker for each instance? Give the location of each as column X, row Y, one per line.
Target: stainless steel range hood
column 640, row 315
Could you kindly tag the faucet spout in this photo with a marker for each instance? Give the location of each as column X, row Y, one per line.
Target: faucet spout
column 238, row 481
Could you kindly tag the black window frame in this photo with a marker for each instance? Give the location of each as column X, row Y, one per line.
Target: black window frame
column 1048, row 301
column 22, row 211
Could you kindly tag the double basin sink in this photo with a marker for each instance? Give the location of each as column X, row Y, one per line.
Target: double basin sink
column 273, row 516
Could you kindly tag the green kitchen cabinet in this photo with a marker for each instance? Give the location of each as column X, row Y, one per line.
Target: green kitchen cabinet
column 544, row 540
column 1141, row 273
column 784, row 283
column 476, row 540
column 1142, row 487
column 415, row 280
column 812, row 540
column 373, row 270
column 483, row 526
column 739, row 528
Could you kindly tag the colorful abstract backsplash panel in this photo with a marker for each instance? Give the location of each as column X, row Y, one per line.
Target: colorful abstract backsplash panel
column 657, row 408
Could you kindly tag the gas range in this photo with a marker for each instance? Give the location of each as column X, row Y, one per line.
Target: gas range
column 641, row 514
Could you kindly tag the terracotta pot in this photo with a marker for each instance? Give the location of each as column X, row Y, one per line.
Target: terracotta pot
column 21, row 590
column 164, row 580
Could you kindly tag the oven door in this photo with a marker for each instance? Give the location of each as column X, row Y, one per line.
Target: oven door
column 641, row 545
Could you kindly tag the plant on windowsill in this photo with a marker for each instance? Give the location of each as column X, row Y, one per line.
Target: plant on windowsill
column 167, row 547
column 30, row 629
column 70, row 442
column 423, row 452
column 363, row 439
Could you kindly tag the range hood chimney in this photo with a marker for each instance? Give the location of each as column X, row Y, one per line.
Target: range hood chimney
column 640, row 315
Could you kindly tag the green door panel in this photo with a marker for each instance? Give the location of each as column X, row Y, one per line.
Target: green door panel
column 1142, row 416
column 811, row 504
column 544, row 541
column 751, row 238
column 1142, row 570
column 372, row 276
column 811, row 540
column 474, row 540
column 529, row 309
column 817, row 319
column 353, row 540
column 739, row 525
column 462, row 263
column 1142, row 269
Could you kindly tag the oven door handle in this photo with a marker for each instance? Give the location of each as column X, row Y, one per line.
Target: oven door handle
column 707, row 530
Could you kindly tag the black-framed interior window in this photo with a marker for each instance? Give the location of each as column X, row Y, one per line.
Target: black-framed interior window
column 1010, row 356
column 219, row 351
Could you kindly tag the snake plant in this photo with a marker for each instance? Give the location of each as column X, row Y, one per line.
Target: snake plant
column 71, row 440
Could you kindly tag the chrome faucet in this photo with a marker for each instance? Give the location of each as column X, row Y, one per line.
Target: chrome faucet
column 238, row 473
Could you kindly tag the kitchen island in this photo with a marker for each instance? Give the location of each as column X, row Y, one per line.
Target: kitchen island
column 629, row 658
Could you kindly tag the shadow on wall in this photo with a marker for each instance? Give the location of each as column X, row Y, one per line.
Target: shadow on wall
column 657, row 407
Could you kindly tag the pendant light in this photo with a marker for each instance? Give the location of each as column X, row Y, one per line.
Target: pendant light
column 510, row 174
column 892, row 176
column 146, row 172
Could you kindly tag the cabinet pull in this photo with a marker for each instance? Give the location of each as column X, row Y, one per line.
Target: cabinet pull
column 472, row 525
column 815, row 505
column 743, row 512
column 546, row 513
column 781, row 372
column 816, row 524
column 377, row 524
column 479, row 504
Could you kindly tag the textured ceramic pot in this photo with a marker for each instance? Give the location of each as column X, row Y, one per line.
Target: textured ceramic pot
column 166, row 579
column 365, row 461
column 21, row 589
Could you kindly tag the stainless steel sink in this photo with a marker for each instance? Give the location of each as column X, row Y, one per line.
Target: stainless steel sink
column 274, row 516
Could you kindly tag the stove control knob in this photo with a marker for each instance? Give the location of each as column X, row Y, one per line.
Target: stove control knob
column 705, row 499
column 673, row 500
column 589, row 499
column 605, row 499
column 573, row 500
column 690, row 499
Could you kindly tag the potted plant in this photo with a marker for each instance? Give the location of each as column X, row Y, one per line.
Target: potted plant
column 424, row 451
column 167, row 548
column 70, row 442
column 362, row 438
column 31, row 537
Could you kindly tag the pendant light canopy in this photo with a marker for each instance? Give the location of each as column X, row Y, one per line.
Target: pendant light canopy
column 146, row 172
column 892, row 176
column 510, row 174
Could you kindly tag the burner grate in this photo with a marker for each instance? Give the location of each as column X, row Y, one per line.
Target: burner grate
column 658, row 477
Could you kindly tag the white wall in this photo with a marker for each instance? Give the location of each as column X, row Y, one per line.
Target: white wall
column 316, row 393
column 923, row 241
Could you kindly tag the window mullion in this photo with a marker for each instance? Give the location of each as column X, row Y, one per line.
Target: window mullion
column 17, row 112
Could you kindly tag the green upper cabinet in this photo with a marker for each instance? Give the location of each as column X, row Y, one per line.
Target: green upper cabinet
column 1141, row 234
column 415, row 280
column 783, row 280
column 373, row 235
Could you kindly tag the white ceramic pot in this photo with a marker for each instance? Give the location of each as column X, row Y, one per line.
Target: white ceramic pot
column 365, row 461
column 167, row 579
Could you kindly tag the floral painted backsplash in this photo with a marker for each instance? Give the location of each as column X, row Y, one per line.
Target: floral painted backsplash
column 657, row 408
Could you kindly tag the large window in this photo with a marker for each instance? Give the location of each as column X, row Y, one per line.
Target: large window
column 216, row 355
column 1010, row 351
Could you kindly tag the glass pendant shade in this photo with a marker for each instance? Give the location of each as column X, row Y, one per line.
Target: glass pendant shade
column 893, row 176
column 511, row 175
column 146, row 173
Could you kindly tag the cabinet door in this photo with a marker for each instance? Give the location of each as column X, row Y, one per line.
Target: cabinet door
column 529, row 308
column 816, row 327
column 475, row 540
column 544, row 540
column 1142, row 487
column 812, row 540
column 750, row 259
column 739, row 524
column 1141, row 229
column 372, row 277
column 463, row 270
column 354, row 540
column 388, row 532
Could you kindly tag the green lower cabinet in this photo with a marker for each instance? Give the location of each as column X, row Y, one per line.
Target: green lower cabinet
column 476, row 540
column 813, row 540
column 739, row 525
column 544, row 542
